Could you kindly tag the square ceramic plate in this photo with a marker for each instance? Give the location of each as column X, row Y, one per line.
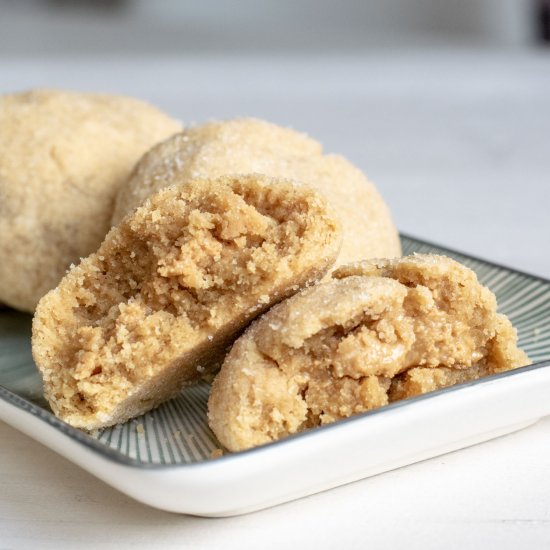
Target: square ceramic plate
column 165, row 458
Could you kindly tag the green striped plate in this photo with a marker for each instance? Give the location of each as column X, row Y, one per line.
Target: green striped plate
column 177, row 432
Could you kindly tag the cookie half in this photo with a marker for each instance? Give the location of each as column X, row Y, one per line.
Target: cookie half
column 170, row 288
column 351, row 345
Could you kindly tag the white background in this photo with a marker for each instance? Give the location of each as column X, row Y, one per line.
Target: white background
column 457, row 138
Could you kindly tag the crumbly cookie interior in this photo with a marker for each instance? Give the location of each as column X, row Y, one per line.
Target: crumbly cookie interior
column 502, row 355
column 168, row 289
column 357, row 342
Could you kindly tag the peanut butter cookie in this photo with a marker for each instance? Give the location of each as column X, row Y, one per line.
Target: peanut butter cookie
column 63, row 156
column 374, row 333
column 170, row 288
column 255, row 146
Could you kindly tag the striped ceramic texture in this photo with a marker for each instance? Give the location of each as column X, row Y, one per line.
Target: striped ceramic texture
column 177, row 432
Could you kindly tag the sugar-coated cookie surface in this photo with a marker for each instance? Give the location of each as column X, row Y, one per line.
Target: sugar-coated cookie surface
column 169, row 289
column 255, row 146
column 381, row 330
column 63, row 156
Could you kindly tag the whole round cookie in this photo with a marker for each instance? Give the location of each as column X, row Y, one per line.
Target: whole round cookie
column 254, row 146
column 378, row 332
column 171, row 287
column 63, row 156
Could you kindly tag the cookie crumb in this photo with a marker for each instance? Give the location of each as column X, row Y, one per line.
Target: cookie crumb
column 216, row 453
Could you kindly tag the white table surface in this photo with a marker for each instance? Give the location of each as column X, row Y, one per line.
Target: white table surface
column 459, row 144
